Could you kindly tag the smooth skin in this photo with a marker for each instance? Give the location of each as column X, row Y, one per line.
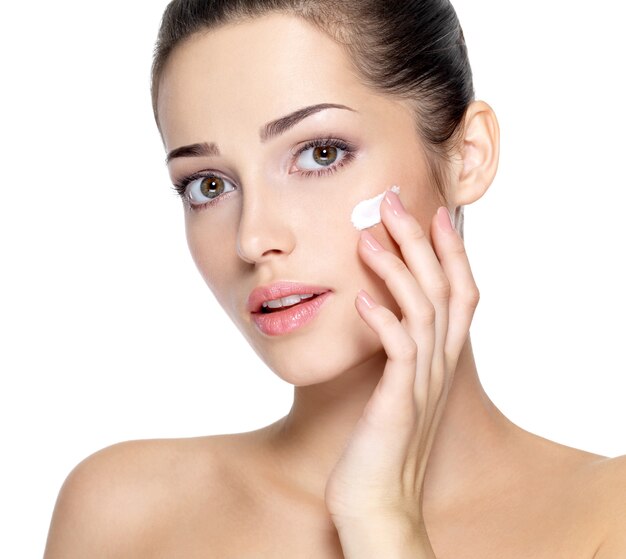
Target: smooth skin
column 377, row 483
column 391, row 445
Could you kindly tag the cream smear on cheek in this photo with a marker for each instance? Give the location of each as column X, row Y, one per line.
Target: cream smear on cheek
column 367, row 213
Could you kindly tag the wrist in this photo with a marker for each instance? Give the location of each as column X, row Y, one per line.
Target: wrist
column 398, row 537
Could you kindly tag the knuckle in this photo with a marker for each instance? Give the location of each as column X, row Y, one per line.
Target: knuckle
column 388, row 319
column 458, row 247
column 441, row 289
column 407, row 351
column 396, row 266
column 472, row 296
column 426, row 316
column 414, row 232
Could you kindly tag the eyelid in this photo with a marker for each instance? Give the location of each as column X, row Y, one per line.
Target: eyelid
column 180, row 186
column 323, row 141
column 349, row 153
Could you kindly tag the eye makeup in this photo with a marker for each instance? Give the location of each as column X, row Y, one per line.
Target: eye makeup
column 191, row 195
column 342, row 152
column 347, row 148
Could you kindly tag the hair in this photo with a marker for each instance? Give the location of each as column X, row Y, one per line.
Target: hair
column 412, row 49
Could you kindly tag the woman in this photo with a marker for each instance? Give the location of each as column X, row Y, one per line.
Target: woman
column 278, row 119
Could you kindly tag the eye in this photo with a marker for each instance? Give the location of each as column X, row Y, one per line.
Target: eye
column 205, row 188
column 320, row 155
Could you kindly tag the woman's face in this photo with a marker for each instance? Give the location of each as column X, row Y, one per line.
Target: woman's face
column 284, row 211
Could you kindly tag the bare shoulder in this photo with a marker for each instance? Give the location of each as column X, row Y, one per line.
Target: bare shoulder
column 609, row 483
column 116, row 501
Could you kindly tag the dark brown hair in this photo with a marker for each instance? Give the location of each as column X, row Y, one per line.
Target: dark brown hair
column 413, row 49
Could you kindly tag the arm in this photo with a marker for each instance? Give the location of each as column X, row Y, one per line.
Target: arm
column 614, row 489
column 78, row 525
column 99, row 509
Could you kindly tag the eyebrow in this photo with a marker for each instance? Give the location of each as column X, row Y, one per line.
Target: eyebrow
column 281, row 125
column 203, row 149
column 267, row 132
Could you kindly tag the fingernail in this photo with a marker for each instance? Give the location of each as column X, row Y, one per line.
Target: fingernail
column 444, row 219
column 367, row 300
column 371, row 242
column 393, row 200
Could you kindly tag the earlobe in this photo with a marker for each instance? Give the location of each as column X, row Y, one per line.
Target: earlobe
column 479, row 155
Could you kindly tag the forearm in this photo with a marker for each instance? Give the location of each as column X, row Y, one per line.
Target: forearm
column 397, row 539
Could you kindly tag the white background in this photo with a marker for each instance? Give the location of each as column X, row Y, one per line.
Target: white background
column 107, row 332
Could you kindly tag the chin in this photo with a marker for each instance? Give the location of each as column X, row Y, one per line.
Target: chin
column 311, row 359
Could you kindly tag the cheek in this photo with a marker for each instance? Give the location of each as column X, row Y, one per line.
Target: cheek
column 420, row 201
column 209, row 250
column 410, row 173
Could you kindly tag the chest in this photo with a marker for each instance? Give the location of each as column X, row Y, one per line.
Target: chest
column 246, row 532
column 275, row 532
column 548, row 529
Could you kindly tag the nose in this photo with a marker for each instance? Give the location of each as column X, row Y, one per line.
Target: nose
column 265, row 230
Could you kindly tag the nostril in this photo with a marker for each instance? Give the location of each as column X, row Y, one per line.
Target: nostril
column 257, row 247
column 266, row 228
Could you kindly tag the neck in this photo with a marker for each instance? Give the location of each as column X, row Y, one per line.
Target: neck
column 471, row 436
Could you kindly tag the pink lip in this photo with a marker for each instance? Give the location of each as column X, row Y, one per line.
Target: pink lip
column 284, row 321
column 280, row 289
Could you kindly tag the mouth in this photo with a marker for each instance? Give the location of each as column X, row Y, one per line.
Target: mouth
column 284, row 303
column 283, row 295
column 283, row 315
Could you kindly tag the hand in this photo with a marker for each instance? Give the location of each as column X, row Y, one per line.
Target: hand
column 380, row 474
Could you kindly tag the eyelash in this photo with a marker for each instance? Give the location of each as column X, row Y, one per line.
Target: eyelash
column 348, row 148
column 349, row 151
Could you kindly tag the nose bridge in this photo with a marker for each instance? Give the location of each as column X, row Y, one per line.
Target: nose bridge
column 264, row 225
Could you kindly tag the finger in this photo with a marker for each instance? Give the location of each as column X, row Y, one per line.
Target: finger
column 417, row 309
column 402, row 284
column 423, row 263
column 392, row 401
column 417, row 250
column 464, row 294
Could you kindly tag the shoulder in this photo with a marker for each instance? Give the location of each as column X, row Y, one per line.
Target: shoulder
column 117, row 499
column 609, row 480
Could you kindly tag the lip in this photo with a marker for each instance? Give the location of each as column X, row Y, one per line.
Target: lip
column 282, row 322
column 280, row 289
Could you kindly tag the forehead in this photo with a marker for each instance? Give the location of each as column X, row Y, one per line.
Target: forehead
column 245, row 74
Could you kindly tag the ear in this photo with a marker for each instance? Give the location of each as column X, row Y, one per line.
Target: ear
column 477, row 163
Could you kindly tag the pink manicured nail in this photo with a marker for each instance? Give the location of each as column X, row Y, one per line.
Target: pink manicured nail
column 363, row 296
column 371, row 242
column 443, row 217
column 395, row 204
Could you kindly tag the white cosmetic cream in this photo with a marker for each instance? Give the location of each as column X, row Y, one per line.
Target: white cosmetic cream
column 367, row 213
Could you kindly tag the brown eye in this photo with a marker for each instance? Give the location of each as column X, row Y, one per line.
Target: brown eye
column 204, row 189
column 325, row 155
column 322, row 156
column 211, row 187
